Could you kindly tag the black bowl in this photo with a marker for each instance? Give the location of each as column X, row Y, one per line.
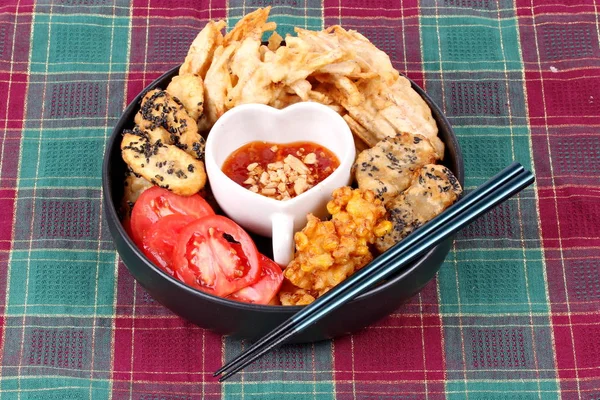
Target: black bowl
column 253, row 321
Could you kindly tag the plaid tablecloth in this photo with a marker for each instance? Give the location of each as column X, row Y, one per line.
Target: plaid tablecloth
column 514, row 312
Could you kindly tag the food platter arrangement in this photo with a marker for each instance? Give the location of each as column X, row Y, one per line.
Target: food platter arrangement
column 395, row 183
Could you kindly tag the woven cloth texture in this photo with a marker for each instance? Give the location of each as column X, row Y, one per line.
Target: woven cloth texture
column 514, row 312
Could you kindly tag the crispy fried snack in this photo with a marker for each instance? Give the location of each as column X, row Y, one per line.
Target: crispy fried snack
column 252, row 25
column 135, row 185
column 290, row 295
column 160, row 109
column 164, row 148
column 388, row 168
column 189, row 89
column 336, row 67
column 327, row 252
column 201, row 51
column 433, row 189
column 163, row 165
column 274, row 41
column 216, row 85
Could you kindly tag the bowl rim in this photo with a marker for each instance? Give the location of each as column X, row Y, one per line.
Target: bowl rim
column 111, row 211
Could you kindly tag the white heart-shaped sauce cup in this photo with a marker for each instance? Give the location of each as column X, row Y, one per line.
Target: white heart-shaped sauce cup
column 300, row 122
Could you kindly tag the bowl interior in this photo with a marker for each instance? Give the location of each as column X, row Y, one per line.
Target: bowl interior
column 114, row 168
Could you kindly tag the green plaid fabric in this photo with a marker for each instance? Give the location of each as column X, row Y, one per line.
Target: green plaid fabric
column 514, row 312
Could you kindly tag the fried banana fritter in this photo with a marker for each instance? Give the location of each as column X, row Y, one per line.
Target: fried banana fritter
column 433, row 189
column 162, row 164
column 189, row 89
column 327, row 252
column 160, row 109
column 388, row 167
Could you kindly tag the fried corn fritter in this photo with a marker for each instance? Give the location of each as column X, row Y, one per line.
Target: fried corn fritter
column 327, row 252
column 433, row 189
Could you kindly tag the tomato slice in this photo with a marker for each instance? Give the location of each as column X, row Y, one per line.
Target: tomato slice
column 265, row 289
column 161, row 238
column 157, row 202
column 206, row 260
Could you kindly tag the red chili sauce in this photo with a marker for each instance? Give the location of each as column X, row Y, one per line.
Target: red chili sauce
column 265, row 154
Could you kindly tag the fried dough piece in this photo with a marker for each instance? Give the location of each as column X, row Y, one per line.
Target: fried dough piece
column 248, row 78
column 416, row 112
column 349, row 68
column 366, row 84
column 358, row 132
column 296, row 61
column 261, row 81
column 252, row 25
column 433, row 189
column 274, row 41
column 216, row 86
column 350, row 92
column 201, row 51
column 388, row 168
column 386, row 111
column 302, row 88
column 160, row 109
column 368, row 57
column 162, row 164
column 189, row 89
column 284, row 99
column 135, row 185
column 253, row 78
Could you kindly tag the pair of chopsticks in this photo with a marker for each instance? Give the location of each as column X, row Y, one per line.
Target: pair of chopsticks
column 507, row 183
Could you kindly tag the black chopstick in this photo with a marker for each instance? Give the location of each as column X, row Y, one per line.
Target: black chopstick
column 493, row 183
column 498, row 189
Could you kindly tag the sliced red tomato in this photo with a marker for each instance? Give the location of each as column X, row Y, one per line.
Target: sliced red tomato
column 161, row 238
column 265, row 289
column 157, row 202
column 206, row 260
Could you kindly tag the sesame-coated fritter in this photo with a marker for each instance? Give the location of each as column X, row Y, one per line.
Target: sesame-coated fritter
column 433, row 189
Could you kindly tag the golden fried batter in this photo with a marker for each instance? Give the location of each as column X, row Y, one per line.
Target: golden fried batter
column 290, row 295
column 189, row 89
column 135, row 185
column 251, row 25
column 155, row 133
column 201, row 50
column 388, row 168
column 162, row 110
column 274, row 41
column 433, row 189
column 162, row 164
column 216, row 85
column 327, row 252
